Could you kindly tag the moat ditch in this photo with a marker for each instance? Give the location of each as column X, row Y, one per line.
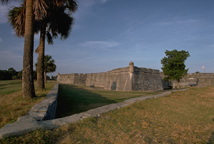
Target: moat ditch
column 74, row 99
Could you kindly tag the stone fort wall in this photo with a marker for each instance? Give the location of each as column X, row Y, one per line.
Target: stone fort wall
column 134, row 78
column 192, row 79
column 129, row 78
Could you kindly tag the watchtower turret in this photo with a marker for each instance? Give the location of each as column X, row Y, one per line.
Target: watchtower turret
column 131, row 67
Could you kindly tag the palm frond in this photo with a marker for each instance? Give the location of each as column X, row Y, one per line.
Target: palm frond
column 49, row 38
column 49, row 65
column 40, row 9
column 17, row 19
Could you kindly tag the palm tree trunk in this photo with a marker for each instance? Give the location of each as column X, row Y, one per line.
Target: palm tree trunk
column 27, row 75
column 40, row 64
column 45, row 77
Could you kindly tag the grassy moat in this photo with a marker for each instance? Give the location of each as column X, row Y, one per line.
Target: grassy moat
column 182, row 117
column 75, row 99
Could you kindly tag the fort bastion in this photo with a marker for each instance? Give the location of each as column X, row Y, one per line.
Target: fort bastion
column 129, row 78
column 134, row 78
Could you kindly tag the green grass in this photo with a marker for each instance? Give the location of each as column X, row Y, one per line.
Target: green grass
column 10, row 86
column 182, row 117
column 75, row 99
column 13, row 105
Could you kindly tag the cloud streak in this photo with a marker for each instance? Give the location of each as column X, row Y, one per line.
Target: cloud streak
column 99, row 44
column 85, row 9
column 84, row 59
column 189, row 21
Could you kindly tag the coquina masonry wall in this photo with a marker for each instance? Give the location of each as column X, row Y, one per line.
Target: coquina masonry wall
column 122, row 79
column 146, row 79
column 192, row 79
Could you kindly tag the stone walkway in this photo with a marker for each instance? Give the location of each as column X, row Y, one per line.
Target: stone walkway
column 28, row 124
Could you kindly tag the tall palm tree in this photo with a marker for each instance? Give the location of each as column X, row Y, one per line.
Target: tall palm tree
column 49, row 65
column 40, row 12
column 17, row 17
column 56, row 16
column 27, row 76
column 56, row 23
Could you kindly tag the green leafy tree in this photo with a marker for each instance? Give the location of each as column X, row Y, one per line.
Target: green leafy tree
column 5, row 75
column 13, row 73
column 14, row 77
column 173, row 65
column 19, row 75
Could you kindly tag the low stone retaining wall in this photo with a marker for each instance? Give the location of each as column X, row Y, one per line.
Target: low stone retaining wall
column 32, row 122
column 45, row 110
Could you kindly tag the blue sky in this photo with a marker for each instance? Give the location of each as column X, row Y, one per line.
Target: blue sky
column 108, row 34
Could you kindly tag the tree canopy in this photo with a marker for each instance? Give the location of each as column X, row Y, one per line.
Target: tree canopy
column 49, row 65
column 34, row 10
column 173, row 65
column 57, row 22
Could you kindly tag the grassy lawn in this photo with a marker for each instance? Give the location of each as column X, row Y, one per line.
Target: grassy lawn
column 75, row 99
column 10, row 86
column 13, row 105
column 182, row 117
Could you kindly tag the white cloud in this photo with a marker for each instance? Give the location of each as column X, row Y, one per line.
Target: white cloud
column 99, row 44
column 91, row 3
column 103, row 1
column 85, row 8
column 189, row 21
column 1, row 40
column 84, row 59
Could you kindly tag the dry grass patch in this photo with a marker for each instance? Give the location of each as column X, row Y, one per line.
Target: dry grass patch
column 182, row 117
column 13, row 105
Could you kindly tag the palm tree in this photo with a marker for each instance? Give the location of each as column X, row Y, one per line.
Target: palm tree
column 27, row 75
column 27, row 72
column 49, row 65
column 40, row 11
column 56, row 23
column 17, row 18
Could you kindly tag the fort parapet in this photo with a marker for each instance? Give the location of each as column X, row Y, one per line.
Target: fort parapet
column 192, row 79
column 134, row 78
column 129, row 78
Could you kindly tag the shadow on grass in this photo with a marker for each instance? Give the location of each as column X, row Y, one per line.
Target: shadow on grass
column 73, row 100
